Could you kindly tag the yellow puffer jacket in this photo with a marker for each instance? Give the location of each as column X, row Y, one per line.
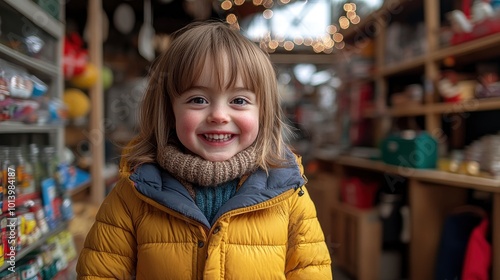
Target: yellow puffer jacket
column 149, row 227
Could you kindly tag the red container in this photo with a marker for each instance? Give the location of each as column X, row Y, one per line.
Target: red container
column 359, row 193
column 481, row 29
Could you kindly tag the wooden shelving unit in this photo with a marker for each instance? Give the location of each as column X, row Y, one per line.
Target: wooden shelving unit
column 431, row 194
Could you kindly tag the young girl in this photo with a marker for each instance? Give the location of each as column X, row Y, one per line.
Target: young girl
column 208, row 188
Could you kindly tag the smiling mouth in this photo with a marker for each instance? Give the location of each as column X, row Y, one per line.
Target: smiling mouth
column 218, row 137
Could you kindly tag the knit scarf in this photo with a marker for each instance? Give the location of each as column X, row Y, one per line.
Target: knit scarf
column 191, row 169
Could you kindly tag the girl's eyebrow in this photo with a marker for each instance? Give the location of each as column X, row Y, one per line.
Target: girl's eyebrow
column 241, row 89
column 198, row 87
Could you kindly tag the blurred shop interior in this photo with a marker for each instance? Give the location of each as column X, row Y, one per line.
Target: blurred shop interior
column 394, row 104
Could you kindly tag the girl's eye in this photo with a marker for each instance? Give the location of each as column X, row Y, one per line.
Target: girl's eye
column 198, row 100
column 239, row 101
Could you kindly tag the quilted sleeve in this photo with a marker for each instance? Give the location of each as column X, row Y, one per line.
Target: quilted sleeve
column 307, row 255
column 110, row 247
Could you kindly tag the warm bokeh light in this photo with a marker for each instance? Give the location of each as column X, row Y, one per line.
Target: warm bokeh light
column 288, row 45
column 328, row 50
column 331, row 29
column 273, row 44
column 239, row 2
column 344, row 22
column 330, row 44
column 308, row 41
column 337, row 37
column 298, row 40
column 326, row 43
column 325, row 38
column 268, row 4
column 231, row 19
column 267, row 14
column 318, row 47
column 340, row 45
column 226, row 5
column 356, row 20
column 349, row 7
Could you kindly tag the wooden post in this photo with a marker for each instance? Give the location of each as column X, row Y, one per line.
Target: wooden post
column 495, row 224
column 429, row 204
column 432, row 23
column 96, row 129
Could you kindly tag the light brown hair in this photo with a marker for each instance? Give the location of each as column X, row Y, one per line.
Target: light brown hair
column 178, row 68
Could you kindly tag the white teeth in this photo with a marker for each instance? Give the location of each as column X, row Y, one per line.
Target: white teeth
column 217, row 137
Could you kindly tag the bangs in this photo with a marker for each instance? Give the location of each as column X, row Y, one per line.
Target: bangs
column 217, row 51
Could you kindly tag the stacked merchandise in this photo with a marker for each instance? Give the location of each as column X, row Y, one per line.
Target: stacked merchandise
column 23, row 98
column 480, row 158
column 46, row 262
column 35, row 207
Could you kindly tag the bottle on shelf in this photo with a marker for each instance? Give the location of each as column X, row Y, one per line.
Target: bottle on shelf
column 24, row 172
column 34, row 157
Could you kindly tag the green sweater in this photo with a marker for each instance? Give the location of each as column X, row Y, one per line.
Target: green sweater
column 211, row 199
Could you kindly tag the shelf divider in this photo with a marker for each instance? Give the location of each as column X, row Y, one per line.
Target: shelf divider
column 37, row 15
column 41, row 67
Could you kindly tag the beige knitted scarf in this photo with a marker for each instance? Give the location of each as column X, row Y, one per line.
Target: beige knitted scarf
column 191, row 170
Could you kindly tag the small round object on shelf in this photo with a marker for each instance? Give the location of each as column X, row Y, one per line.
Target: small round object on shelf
column 77, row 101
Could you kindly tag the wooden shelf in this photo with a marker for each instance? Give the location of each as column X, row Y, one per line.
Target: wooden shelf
column 475, row 46
column 108, row 180
column 408, row 65
column 82, row 187
column 471, row 105
column 408, row 111
column 432, row 176
column 17, row 127
column 38, row 67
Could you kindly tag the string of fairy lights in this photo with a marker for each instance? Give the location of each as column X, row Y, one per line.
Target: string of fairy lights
column 326, row 43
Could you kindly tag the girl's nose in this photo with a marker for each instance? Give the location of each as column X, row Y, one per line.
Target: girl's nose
column 218, row 114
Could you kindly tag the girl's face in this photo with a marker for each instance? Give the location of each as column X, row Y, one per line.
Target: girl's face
column 216, row 123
